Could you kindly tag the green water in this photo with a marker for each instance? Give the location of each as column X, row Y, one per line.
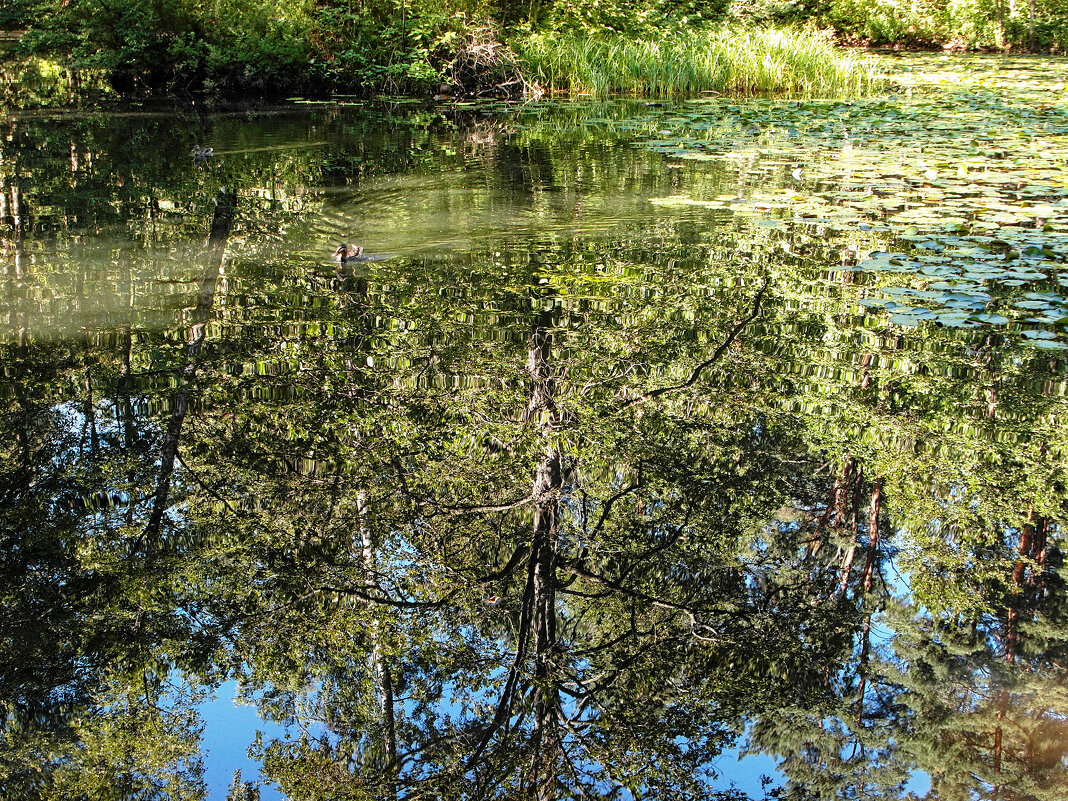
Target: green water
column 642, row 433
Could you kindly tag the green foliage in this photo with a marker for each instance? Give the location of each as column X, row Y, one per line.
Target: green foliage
column 263, row 47
column 268, row 47
column 1047, row 31
column 962, row 23
column 1040, row 26
column 152, row 46
column 258, row 46
column 646, row 18
column 174, row 45
column 16, row 13
column 390, row 45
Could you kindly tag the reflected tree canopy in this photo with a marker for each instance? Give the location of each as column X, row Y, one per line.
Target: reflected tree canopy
column 563, row 494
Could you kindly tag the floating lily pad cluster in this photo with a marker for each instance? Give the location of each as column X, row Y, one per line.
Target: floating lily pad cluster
column 962, row 172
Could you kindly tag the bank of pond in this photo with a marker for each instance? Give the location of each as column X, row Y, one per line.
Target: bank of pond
column 479, row 64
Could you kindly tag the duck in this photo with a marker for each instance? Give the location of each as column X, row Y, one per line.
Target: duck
column 202, row 153
column 347, row 253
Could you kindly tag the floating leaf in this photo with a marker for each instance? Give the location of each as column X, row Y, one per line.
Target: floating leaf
column 993, row 319
column 1047, row 344
column 966, row 175
column 904, row 319
column 956, row 320
column 1047, row 296
column 940, row 269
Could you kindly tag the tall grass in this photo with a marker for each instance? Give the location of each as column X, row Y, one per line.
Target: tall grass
column 727, row 60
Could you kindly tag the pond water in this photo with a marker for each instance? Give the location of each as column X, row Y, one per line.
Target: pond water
column 641, row 436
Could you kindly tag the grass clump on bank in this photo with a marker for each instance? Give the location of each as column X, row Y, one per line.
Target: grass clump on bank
column 729, row 60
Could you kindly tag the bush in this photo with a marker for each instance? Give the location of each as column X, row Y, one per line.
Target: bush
column 15, row 14
column 151, row 46
column 264, row 46
column 390, row 45
column 632, row 17
column 967, row 24
column 398, row 46
column 1046, row 32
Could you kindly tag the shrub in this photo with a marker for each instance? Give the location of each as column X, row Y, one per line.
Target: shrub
column 173, row 45
column 633, row 17
column 17, row 13
column 397, row 46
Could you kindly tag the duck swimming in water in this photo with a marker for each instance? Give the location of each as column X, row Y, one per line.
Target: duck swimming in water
column 347, row 253
column 202, row 153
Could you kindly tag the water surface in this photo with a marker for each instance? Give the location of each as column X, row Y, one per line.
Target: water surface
column 645, row 434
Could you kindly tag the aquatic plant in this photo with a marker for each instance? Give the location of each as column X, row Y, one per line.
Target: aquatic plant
column 973, row 201
column 727, row 60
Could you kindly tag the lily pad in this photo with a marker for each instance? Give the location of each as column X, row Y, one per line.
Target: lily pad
column 1048, row 344
column 956, row 320
column 993, row 319
column 904, row 319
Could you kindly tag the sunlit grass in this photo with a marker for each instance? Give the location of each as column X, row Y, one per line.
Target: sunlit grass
column 730, row 60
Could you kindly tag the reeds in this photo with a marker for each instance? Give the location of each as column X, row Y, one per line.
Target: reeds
column 728, row 60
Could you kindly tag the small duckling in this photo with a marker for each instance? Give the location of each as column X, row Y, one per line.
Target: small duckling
column 347, row 253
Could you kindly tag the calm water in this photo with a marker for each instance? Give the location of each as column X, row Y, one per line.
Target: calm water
column 642, row 436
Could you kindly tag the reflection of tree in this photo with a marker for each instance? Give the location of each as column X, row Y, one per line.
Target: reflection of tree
column 477, row 540
column 940, row 689
column 86, row 706
column 987, row 695
column 610, row 577
column 213, row 262
column 95, row 623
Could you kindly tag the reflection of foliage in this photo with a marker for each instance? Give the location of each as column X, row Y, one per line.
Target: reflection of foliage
column 36, row 82
column 512, row 515
column 89, row 633
column 139, row 738
column 444, row 483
